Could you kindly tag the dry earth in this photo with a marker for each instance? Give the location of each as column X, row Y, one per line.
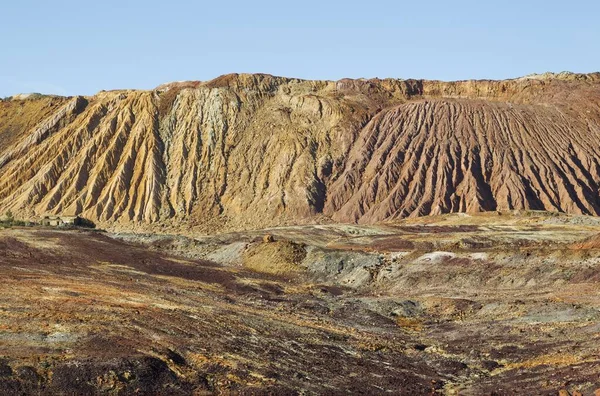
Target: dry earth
column 490, row 304
column 317, row 273
column 253, row 151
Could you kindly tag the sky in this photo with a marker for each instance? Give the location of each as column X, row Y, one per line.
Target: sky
column 70, row 47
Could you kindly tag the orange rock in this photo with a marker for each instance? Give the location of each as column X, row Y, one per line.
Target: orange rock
column 253, row 151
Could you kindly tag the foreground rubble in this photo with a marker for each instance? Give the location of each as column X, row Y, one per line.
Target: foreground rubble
column 490, row 304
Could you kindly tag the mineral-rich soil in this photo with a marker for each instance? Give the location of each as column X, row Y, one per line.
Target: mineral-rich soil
column 499, row 303
column 251, row 151
column 267, row 235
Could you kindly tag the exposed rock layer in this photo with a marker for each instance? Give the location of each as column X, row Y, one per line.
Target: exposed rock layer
column 248, row 151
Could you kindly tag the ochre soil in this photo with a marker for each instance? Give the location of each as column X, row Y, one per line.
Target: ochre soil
column 248, row 151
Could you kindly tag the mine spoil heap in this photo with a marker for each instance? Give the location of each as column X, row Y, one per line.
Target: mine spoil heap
column 249, row 151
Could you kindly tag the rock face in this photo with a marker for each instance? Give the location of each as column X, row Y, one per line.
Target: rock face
column 250, row 151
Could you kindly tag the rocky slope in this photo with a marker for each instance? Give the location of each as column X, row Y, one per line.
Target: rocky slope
column 249, row 151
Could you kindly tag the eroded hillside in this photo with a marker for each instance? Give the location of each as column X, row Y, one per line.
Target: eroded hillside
column 250, row 151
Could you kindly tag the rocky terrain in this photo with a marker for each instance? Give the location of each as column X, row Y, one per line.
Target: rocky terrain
column 489, row 304
column 267, row 235
column 251, row 151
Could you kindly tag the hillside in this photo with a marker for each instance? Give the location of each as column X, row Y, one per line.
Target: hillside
column 251, row 151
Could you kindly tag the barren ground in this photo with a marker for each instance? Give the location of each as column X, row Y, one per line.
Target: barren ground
column 458, row 304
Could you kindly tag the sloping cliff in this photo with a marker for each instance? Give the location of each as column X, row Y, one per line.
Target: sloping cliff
column 249, row 151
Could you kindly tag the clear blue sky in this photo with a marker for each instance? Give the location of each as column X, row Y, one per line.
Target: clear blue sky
column 80, row 47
